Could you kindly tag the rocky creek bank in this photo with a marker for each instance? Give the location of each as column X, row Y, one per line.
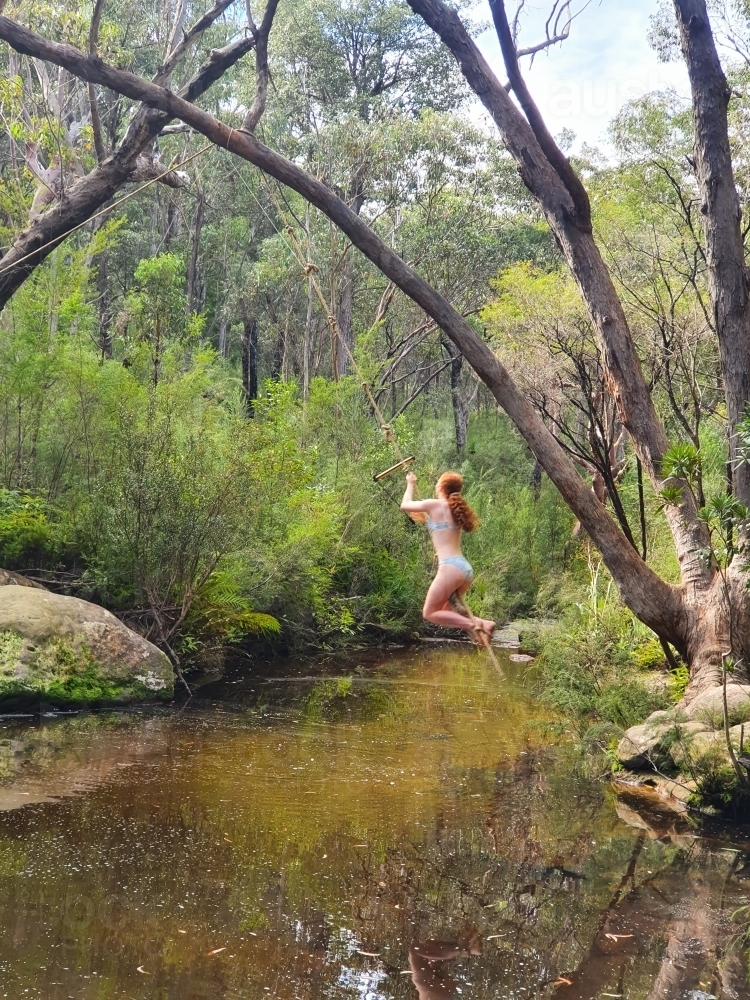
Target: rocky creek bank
column 678, row 750
column 66, row 651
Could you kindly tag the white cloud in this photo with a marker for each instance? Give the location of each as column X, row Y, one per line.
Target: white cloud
column 606, row 62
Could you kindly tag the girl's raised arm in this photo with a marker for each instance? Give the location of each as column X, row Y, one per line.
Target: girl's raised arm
column 416, row 507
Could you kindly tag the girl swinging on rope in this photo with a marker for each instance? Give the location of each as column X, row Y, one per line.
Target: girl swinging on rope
column 445, row 517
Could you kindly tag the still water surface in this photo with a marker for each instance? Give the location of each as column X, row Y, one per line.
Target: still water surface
column 402, row 829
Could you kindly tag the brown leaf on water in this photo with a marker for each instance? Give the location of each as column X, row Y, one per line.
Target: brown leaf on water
column 216, row 951
column 181, row 932
column 617, row 937
column 562, row 981
column 142, row 971
column 368, row 954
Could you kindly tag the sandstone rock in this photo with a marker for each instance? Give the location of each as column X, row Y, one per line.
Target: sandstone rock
column 10, row 579
column 709, row 744
column 71, row 651
column 659, row 716
column 648, row 745
column 641, row 746
column 708, row 706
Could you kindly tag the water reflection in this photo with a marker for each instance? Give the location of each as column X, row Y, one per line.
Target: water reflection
column 398, row 831
column 428, row 973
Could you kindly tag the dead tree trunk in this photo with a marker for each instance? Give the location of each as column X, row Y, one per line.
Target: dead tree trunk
column 249, row 352
column 460, row 409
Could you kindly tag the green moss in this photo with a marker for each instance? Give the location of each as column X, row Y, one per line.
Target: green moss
column 10, row 647
column 63, row 676
column 83, row 686
column 55, row 661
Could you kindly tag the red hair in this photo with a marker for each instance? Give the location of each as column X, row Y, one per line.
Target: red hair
column 450, row 483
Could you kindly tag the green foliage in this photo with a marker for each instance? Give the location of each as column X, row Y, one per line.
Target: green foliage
column 157, row 317
column 649, row 656
column 590, row 666
column 683, row 461
column 678, row 682
column 27, row 538
column 222, row 615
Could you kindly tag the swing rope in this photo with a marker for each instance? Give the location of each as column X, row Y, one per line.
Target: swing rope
column 310, row 270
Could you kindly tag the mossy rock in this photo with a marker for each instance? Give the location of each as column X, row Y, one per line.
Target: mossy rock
column 69, row 652
column 708, row 706
column 648, row 746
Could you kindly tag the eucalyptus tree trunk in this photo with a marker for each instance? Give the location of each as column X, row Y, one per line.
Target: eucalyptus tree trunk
column 458, row 405
column 345, row 340
column 192, row 276
column 103, row 303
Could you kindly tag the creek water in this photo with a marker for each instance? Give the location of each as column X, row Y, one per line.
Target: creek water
column 397, row 825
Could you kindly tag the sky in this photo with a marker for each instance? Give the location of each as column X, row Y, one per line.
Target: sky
column 606, row 62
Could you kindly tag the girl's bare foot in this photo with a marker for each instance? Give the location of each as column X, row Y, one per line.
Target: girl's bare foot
column 480, row 637
column 483, row 632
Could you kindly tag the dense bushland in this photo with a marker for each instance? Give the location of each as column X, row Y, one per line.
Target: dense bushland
column 139, row 481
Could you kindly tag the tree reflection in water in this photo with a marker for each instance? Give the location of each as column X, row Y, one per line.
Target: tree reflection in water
column 343, row 839
column 428, row 974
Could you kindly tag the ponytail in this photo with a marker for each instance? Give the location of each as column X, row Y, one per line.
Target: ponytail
column 463, row 515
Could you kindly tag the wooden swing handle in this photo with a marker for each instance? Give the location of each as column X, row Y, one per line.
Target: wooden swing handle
column 394, row 468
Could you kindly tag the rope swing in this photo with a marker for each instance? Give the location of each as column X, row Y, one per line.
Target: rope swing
column 310, row 270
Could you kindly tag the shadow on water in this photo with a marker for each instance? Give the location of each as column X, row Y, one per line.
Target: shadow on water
column 391, row 826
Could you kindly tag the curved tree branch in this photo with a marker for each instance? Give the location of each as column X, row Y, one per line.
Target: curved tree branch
column 262, row 75
column 90, row 193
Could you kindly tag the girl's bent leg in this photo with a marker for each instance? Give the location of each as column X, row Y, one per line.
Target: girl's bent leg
column 485, row 624
column 436, row 608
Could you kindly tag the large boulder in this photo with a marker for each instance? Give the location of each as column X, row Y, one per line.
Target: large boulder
column 68, row 651
column 708, row 707
column 648, row 745
column 641, row 746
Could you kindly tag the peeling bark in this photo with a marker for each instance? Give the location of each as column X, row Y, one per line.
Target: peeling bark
column 728, row 277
